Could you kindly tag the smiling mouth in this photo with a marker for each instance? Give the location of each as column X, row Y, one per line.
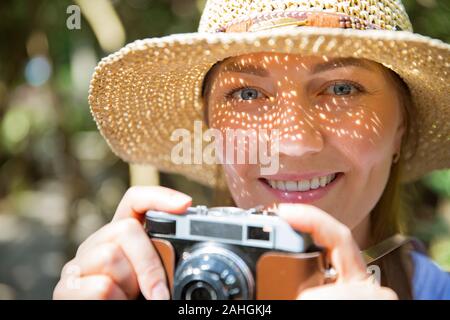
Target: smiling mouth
column 301, row 185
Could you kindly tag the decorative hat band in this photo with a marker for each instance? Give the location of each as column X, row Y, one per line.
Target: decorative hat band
column 299, row 18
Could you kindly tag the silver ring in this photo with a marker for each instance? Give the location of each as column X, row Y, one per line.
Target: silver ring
column 330, row 274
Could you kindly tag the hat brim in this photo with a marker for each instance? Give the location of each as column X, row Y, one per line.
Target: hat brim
column 142, row 93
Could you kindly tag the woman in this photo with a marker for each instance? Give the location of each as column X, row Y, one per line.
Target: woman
column 359, row 106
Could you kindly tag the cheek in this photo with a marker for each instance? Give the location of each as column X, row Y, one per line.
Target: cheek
column 236, row 174
column 364, row 137
column 240, row 187
column 366, row 134
column 239, row 174
column 223, row 116
column 220, row 114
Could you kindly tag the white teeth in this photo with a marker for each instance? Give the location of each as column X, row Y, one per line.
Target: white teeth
column 281, row 186
column 314, row 183
column 303, row 185
column 291, row 186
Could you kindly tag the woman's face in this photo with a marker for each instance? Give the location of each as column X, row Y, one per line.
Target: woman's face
column 340, row 123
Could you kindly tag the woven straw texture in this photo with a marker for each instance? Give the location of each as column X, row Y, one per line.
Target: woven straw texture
column 142, row 93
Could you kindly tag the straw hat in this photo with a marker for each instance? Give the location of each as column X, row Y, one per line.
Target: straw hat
column 142, row 93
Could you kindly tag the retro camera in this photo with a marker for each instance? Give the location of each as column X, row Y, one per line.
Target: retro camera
column 227, row 253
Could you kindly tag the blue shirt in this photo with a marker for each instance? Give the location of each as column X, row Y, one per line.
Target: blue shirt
column 429, row 281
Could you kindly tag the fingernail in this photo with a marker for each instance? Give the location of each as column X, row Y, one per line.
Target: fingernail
column 180, row 198
column 160, row 292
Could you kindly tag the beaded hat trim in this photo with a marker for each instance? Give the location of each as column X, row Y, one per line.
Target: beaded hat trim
column 299, row 18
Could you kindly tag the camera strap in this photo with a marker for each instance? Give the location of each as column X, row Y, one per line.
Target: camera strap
column 385, row 247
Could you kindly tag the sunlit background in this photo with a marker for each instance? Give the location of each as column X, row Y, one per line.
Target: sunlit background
column 58, row 180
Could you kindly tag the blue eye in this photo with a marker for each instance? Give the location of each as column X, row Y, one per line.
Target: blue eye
column 246, row 94
column 342, row 89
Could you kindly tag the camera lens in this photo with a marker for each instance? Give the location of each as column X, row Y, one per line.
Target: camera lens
column 212, row 272
column 200, row 290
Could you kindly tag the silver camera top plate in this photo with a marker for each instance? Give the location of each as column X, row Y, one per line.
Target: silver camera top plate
column 252, row 228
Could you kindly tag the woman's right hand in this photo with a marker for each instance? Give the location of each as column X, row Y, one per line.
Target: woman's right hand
column 119, row 261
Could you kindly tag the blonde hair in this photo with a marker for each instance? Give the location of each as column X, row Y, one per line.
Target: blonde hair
column 389, row 214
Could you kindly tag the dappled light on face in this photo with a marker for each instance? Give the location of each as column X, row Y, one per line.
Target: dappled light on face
column 318, row 106
column 277, row 91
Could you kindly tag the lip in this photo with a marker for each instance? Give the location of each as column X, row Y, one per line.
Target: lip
column 300, row 196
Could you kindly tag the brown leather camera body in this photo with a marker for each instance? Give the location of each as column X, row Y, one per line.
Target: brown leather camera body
column 278, row 275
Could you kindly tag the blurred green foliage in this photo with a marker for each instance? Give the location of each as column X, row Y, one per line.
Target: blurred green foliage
column 439, row 181
column 430, row 17
column 59, row 181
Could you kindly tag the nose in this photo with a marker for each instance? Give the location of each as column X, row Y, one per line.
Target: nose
column 299, row 131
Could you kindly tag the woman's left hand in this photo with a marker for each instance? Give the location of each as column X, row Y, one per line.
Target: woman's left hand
column 353, row 281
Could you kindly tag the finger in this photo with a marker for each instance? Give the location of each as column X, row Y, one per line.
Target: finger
column 129, row 234
column 329, row 233
column 97, row 287
column 108, row 259
column 146, row 263
column 325, row 292
column 138, row 200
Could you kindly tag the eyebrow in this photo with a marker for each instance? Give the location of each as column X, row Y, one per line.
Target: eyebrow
column 247, row 68
column 341, row 63
column 320, row 67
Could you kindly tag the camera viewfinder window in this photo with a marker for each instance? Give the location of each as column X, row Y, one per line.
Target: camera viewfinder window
column 257, row 233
